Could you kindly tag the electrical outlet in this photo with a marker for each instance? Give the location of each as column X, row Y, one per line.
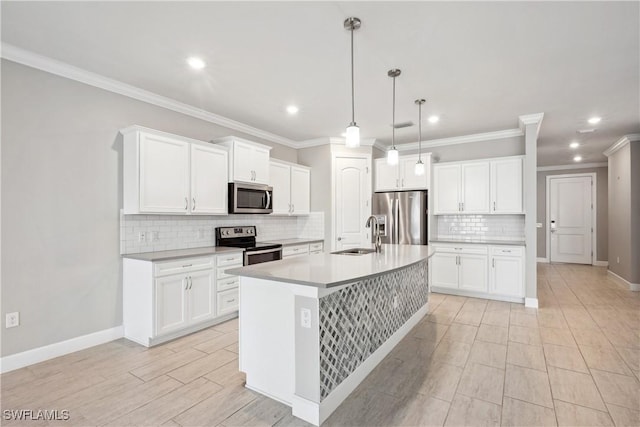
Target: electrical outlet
column 155, row 235
column 13, row 319
column 618, row 260
column 142, row 236
column 305, row 318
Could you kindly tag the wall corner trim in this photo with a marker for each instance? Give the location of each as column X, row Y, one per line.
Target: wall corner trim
column 634, row 287
column 542, row 260
column 531, row 302
column 59, row 68
column 627, row 139
column 40, row 354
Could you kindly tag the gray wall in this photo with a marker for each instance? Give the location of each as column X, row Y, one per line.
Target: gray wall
column 61, row 196
column 319, row 160
column 475, row 150
column 602, row 209
column 624, row 212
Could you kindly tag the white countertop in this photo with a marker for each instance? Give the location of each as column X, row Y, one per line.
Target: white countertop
column 476, row 241
column 181, row 253
column 296, row 241
column 327, row 270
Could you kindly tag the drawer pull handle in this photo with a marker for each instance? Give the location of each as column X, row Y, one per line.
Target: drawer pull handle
column 231, row 300
column 230, row 259
column 187, row 265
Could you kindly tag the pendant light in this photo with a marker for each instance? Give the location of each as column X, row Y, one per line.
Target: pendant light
column 353, row 131
column 419, row 168
column 392, row 153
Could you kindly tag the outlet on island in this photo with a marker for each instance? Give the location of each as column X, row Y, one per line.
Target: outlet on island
column 305, row 318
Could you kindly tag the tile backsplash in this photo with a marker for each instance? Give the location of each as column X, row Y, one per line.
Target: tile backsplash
column 166, row 232
column 494, row 227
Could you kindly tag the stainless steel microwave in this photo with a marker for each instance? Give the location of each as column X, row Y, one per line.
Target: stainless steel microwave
column 247, row 198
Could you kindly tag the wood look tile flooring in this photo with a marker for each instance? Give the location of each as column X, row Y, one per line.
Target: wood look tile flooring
column 470, row 362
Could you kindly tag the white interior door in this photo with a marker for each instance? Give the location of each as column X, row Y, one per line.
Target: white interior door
column 352, row 209
column 570, row 219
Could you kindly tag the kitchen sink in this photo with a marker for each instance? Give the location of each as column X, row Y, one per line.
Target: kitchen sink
column 354, row 251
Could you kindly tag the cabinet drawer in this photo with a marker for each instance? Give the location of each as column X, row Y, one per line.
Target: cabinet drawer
column 507, row 250
column 234, row 258
column 229, row 283
column 182, row 265
column 221, row 272
column 315, row 252
column 227, row 301
column 295, row 250
column 458, row 249
column 316, row 247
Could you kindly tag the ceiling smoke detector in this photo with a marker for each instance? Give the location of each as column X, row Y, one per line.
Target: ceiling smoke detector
column 402, row 125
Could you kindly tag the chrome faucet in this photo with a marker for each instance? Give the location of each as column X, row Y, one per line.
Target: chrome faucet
column 376, row 231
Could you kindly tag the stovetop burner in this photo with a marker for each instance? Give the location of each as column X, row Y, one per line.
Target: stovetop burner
column 242, row 237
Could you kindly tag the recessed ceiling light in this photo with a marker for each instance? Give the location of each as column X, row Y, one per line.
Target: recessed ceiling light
column 433, row 119
column 577, row 159
column 196, row 63
column 292, row 109
column 574, row 145
column 594, row 120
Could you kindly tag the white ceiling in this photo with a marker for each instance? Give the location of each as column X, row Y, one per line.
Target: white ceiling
column 479, row 65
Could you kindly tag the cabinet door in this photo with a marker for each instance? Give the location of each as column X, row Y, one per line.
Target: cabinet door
column 260, row 165
column 208, row 180
column 446, row 189
column 473, row 272
column 506, row 276
column 170, row 307
column 444, row 270
column 300, row 190
column 242, row 162
column 387, row 177
column 201, row 295
column 475, row 187
column 280, row 176
column 506, row 186
column 408, row 178
column 164, row 174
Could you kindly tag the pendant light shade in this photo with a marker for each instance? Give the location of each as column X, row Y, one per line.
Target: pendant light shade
column 419, row 168
column 392, row 153
column 353, row 131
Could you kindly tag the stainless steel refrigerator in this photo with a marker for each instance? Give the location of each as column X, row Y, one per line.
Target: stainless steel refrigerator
column 402, row 216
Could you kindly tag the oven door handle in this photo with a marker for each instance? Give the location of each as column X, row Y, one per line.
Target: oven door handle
column 265, row 251
column 268, row 199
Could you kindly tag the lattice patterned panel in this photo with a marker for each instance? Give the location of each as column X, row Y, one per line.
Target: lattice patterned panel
column 356, row 320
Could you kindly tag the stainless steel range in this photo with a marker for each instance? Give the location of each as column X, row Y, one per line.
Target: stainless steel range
column 245, row 237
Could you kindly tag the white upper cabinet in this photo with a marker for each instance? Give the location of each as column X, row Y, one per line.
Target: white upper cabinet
column 478, row 187
column 402, row 176
column 208, row 180
column 248, row 161
column 170, row 174
column 291, row 188
column 447, row 184
column 506, row 186
column 475, row 188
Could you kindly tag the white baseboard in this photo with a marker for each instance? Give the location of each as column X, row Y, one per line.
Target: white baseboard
column 601, row 263
column 542, row 260
column 531, row 302
column 40, row 354
column 635, row 287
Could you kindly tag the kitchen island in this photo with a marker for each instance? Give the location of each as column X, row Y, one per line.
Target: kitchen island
column 312, row 328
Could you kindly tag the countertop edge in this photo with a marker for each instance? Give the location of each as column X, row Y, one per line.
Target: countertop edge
column 486, row 243
column 198, row 252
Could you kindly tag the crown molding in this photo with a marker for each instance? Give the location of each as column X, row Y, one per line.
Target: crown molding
column 465, row 139
column 627, row 139
column 530, row 119
column 332, row 140
column 44, row 63
column 573, row 166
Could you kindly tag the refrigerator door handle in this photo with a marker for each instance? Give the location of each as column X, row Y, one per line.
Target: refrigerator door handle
column 396, row 213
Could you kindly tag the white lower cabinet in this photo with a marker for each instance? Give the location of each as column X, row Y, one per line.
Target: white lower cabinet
column 506, row 274
column 302, row 249
column 164, row 300
column 494, row 272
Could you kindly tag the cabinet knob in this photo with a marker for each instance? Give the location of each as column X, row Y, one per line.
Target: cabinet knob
column 186, row 204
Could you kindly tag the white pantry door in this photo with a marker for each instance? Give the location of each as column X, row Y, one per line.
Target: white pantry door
column 352, row 194
column 570, row 219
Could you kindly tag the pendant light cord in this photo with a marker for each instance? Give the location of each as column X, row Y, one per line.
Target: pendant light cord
column 393, row 116
column 353, row 105
column 420, row 132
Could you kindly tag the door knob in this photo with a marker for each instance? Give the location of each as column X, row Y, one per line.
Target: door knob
column 339, row 239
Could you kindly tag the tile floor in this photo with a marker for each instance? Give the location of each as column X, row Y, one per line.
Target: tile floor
column 469, row 362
